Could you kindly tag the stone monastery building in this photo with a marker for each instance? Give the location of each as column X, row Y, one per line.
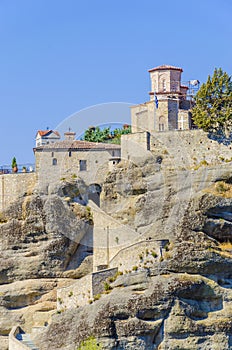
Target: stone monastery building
column 168, row 108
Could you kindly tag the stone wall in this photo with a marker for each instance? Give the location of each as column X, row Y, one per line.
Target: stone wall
column 14, row 185
column 82, row 291
column 14, row 343
column 135, row 147
column 190, row 149
column 99, row 278
column 68, row 164
column 143, row 117
column 139, row 255
column 76, row 295
column 172, row 114
column 109, row 237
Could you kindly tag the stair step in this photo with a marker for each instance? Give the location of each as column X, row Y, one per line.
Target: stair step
column 26, row 339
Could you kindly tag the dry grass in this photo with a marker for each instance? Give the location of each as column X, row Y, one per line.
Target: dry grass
column 225, row 246
column 224, row 249
column 220, row 189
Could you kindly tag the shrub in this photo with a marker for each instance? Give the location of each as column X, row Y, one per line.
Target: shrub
column 97, row 297
column 221, row 187
column 107, row 286
column 90, row 344
column 154, row 254
column 134, row 268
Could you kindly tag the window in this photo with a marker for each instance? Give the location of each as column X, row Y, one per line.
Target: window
column 164, row 85
column 83, row 165
column 161, row 124
column 70, row 154
column 52, row 154
column 54, row 161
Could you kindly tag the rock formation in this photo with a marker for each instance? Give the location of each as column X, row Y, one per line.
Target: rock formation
column 180, row 299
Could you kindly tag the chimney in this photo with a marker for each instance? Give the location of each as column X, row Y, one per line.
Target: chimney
column 69, row 135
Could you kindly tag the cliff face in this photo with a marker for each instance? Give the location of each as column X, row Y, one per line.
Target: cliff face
column 180, row 299
column 43, row 246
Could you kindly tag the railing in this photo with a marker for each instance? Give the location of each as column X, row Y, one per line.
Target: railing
column 22, row 168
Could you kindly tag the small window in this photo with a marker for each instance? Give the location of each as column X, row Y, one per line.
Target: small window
column 52, row 154
column 54, row 161
column 161, row 123
column 83, row 165
column 70, row 154
column 164, row 85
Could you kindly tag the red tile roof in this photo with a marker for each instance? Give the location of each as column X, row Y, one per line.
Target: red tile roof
column 165, row 67
column 46, row 132
column 78, row 145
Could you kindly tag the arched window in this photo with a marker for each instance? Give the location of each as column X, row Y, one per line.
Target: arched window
column 164, row 85
column 161, row 124
column 54, row 161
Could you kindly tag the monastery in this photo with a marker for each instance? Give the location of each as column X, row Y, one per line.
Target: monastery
column 168, row 109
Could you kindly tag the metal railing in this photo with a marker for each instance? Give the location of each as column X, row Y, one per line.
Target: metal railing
column 22, row 168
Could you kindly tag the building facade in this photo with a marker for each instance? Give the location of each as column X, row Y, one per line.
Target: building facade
column 168, row 108
column 89, row 161
column 44, row 137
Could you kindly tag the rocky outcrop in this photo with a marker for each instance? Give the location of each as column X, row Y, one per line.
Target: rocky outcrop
column 174, row 311
column 43, row 245
column 40, row 236
column 178, row 298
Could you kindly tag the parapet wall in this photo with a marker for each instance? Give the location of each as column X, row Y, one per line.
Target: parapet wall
column 189, row 148
column 180, row 148
column 14, row 343
column 14, row 185
column 138, row 255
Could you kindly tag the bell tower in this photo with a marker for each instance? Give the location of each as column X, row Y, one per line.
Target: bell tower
column 165, row 80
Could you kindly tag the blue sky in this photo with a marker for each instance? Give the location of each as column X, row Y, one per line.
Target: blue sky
column 58, row 57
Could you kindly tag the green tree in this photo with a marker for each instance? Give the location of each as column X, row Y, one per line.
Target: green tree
column 90, row 344
column 14, row 163
column 117, row 133
column 95, row 134
column 213, row 104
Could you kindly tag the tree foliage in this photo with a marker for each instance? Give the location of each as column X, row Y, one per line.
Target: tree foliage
column 213, row 104
column 14, row 162
column 95, row 134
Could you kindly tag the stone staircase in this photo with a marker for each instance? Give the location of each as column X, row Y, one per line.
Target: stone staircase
column 25, row 338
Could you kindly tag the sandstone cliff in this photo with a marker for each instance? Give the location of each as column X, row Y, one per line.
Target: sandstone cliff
column 179, row 299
